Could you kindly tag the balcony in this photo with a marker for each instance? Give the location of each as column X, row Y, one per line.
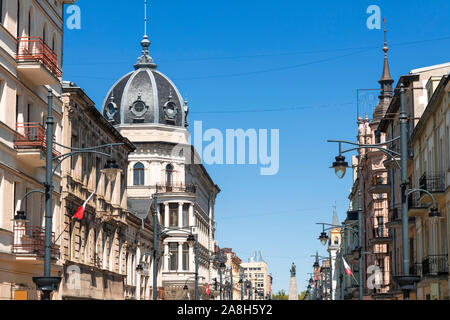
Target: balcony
column 30, row 141
column 415, row 269
column 435, row 265
column 37, row 62
column 434, row 183
column 29, row 241
column 415, row 207
column 379, row 185
column 175, row 188
column 380, row 235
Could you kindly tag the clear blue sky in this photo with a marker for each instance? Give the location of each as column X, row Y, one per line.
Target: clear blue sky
column 308, row 57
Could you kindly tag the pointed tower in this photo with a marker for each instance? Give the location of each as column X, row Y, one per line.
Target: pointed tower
column 385, row 82
column 333, row 248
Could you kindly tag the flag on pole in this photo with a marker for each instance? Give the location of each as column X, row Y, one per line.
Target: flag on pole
column 347, row 267
column 80, row 211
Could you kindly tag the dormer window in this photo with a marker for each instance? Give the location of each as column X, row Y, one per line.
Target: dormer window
column 139, row 108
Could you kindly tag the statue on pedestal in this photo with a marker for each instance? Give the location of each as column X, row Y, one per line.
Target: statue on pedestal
column 293, row 270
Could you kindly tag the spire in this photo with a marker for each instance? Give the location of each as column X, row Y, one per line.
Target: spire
column 386, row 85
column 335, row 220
column 386, row 77
column 316, row 263
column 145, row 61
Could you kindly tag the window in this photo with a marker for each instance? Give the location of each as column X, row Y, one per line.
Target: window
column 1, row 11
column 16, row 197
column 173, row 215
column 17, row 108
column 185, row 257
column 169, row 175
column 162, row 214
column 185, row 215
column 138, row 174
column 377, row 137
column 173, row 256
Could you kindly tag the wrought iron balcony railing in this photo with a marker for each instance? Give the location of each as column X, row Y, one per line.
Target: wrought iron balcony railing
column 435, row 265
column 381, row 232
column 433, row 182
column 416, row 269
column 31, row 135
column 29, row 240
column 176, row 187
column 34, row 49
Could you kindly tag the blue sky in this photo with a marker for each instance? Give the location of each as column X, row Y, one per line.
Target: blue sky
column 305, row 59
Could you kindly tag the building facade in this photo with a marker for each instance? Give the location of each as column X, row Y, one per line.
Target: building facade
column 430, row 171
column 147, row 108
column 96, row 248
column 257, row 276
column 30, row 65
column 416, row 100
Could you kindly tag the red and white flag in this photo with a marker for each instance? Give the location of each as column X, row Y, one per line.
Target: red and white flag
column 80, row 211
column 347, row 267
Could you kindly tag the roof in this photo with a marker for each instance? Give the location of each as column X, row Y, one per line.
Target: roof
column 394, row 106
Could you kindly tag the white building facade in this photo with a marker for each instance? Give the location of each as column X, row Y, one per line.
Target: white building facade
column 147, row 108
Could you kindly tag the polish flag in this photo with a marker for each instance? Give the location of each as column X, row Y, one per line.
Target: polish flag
column 347, row 267
column 80, row 211
column 207, row 288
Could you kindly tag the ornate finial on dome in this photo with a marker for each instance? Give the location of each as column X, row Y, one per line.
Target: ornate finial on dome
column 145, row 61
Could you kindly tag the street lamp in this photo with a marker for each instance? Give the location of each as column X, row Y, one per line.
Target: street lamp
column 340, row 166
column 323, row 238
column 110, row 170
column 47, row 283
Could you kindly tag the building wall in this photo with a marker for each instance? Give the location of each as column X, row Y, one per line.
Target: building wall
column 23, row 100
column 431, row 159
column 99, row 245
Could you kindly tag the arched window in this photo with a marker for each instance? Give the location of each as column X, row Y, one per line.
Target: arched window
column 138, row 174
column 169, row 175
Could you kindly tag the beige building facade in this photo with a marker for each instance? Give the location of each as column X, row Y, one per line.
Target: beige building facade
column 430, row 171
column 98, row 251
column 30, row 65
column 256, row 272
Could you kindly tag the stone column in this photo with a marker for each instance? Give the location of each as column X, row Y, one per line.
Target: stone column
column 166, row 257
column 191, row 214
column 180, row 257
column 180, row 214
column 166, row 214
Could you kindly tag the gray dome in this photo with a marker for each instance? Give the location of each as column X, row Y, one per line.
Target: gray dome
column 145, row 95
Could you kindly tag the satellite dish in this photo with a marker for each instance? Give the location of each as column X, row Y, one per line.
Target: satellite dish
column 140, row 207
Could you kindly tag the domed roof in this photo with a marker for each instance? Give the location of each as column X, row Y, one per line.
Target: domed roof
column 145, row 95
